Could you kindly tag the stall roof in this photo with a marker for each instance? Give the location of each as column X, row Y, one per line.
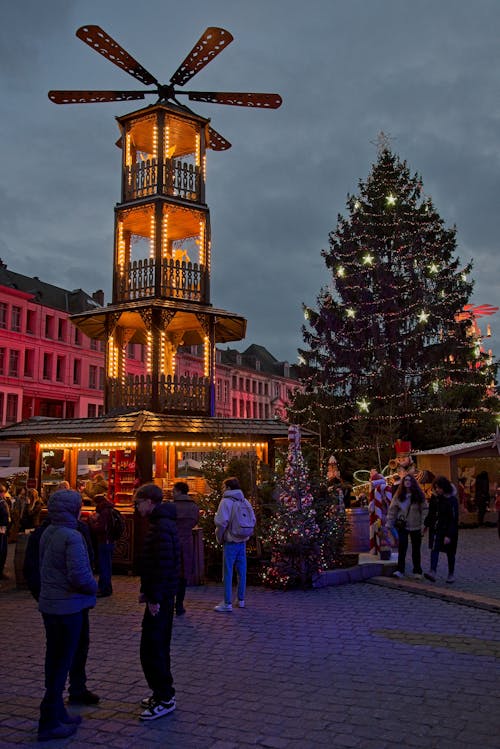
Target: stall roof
column 140, row 422
column 463, row 447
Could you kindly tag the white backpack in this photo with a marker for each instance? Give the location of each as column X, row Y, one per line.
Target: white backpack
column 242, row 520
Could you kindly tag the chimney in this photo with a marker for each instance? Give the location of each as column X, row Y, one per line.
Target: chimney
column 98, row 296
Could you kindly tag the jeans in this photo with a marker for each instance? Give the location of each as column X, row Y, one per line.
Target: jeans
column 181, row 592
column 416, row 543
column 77, row 673
column 451, row 560
column 105, row 556
column 62, row 635
column 155, row 650
column 235, row 555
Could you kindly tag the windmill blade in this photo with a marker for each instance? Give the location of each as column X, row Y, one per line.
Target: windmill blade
column 93, row 97
column 209, row 45
column 237, row 99
column 101, row 42
column 216, row 141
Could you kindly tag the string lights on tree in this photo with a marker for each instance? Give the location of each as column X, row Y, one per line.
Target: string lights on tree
column 387, row 353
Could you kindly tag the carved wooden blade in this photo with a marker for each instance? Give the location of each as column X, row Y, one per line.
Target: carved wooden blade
column 101, row 42
column 93, row 97
column 209, row 45
column 216, row 141
column 237, row 99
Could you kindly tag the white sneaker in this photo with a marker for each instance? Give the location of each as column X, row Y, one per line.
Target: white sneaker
column 397, row 574
column 157, row 709
column 146, row 700
column 241, row 604
column 223, row 607
column 450, row 579
column 417, row 576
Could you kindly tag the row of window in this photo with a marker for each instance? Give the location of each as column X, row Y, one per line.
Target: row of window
column 54, row 368
column 247, row 385
column 250, row 410
column 55, row 328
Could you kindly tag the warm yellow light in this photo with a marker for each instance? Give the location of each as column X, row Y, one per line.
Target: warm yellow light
column 206, row 356
column 350, row 312
column 202, row 242
column 155, row 141
column 152, row 235
column 423, row 316
column 391, row 199
column 198, row 150
column 341, row 271
column 363, row 405
column 121, row 248
column 368, row 259
column 164, row 235
column 149, row 352
column 433, row 268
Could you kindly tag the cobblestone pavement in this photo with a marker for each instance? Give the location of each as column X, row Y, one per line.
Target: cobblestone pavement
column 355, row 666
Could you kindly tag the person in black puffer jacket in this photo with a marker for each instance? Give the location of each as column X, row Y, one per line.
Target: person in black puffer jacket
column 159, row 564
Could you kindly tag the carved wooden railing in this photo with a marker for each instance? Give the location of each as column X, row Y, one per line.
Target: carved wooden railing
column 182, row 395
column 180, row 179
column 179, row 280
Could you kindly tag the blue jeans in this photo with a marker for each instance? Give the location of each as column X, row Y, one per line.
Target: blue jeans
column 105, row 557
column 235, row 555
column 62, row 635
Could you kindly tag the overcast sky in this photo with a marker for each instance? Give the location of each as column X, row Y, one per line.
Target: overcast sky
column 425, row 71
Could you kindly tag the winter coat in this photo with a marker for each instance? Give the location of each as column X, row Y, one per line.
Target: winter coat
column 159, row 560
column 223, row 516
column 442, row 521
column 31, row 565
column 187, row 517
column 4, row 513
column 402, row 507
column 67, row 583
column 100, row 523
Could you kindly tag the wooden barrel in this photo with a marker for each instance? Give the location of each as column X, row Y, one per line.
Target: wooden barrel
column 358, row 539
column 19, row 555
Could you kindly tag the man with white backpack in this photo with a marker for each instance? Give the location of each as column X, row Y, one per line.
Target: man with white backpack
column 234, row 524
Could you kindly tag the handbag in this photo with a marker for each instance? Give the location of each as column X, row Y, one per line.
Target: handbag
column 400, row 523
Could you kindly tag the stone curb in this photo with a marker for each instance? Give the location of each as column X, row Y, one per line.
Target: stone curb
column 452, row 596
column 358, row 574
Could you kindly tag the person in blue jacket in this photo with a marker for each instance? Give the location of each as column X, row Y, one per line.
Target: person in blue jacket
column 67, row 589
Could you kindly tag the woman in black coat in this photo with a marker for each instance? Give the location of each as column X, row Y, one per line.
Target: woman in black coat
column 442, row 522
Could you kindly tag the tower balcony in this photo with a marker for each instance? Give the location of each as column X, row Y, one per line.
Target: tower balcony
column 181, row 280
column 172, row 395
column 177, row 179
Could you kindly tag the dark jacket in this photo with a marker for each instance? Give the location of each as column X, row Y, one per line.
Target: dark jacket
column 160, row 557
column 67, row 583
column 30, row 515
column 31, row 566
column 442, row 521
column 100, row 522
column 187, row 517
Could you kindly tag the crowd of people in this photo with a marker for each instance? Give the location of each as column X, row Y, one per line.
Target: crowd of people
column 60, row 573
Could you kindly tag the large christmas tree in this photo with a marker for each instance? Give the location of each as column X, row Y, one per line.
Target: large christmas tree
column 385, row 356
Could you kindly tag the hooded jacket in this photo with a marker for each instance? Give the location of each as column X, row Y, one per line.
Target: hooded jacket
column 66, row 580
column 160, row 557
column 223, row 516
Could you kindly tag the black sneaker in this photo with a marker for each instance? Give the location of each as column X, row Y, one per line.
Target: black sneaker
column 85, row 698
column 157, row 709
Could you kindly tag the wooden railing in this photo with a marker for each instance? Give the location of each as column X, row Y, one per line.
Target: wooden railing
column 179, row 280
column 180, row 179
column 181, row 395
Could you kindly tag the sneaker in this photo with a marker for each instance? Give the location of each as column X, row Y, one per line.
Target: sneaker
column 146, row 700
column 398, row 574
column 450, row 579
column 417, row 576
column 430, row 576
column 85, row 698
column 157, row 709
column 62, row 731
column 241, row 604
column 223, row 607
